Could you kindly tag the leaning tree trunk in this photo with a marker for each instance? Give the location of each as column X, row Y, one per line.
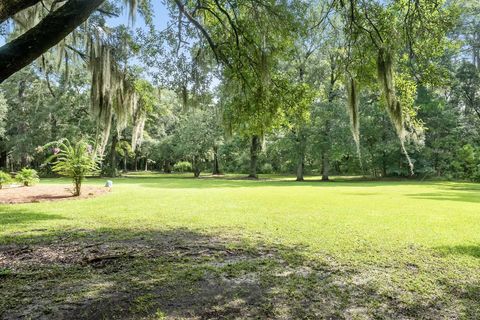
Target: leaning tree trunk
column 254, row 150
column 25, row 49
column 301, row 145
column 8, row 8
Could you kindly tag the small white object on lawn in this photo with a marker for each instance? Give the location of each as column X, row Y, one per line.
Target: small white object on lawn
column 109, row 184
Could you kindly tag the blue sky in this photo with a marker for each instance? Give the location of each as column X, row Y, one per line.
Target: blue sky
column 160, row 17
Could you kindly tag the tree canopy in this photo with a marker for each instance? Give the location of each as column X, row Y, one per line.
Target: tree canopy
column 245, row 85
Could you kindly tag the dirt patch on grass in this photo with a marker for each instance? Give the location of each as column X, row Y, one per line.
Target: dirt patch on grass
column 40, row 193
column 183, row 274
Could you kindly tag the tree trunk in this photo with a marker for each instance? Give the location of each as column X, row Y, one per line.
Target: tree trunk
column 25, row 49
column 167, row 168
column 113, row 156
column 325, row 167
column 8, row 8
column 301, row 146
column 326, row 131
column 196, row 167
column 384, row 164
column 146, row 164
column 254, row 149
column 3, row 160
column 53, row 127
column 216, row 166
column 125, row 163
column 78, row 187
column 300, row 166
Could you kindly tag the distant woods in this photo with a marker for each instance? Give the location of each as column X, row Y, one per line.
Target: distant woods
column 322, row 87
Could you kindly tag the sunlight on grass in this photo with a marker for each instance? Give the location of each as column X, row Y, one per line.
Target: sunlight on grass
column 341, row 218
column 405, row 238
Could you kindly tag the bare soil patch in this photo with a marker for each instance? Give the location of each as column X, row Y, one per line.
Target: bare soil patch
column 41, row 193
column 184, row 274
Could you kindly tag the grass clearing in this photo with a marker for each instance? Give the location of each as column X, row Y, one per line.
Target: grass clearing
column 169, row 247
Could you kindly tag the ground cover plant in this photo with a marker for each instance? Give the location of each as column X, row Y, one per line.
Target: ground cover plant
column 5, row 178
column 216, row 248
column 27, row 177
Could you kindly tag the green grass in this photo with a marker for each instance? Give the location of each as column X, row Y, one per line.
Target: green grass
column 389, row 249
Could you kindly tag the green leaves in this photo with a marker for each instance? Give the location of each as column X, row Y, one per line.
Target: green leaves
column 4, row 178
column 75, row 161
column 27, row 177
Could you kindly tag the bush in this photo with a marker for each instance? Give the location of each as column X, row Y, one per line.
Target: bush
column 4, row 178
column 27, row 177
column 266, row 168
column 74, row 161
column 183, row 166
column 476, row 174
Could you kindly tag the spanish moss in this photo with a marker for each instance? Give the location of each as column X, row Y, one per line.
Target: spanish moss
column 393, row 105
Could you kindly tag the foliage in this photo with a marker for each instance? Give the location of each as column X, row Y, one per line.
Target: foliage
column 5, row 178
column 27, row 177
column 182, row 166
column 196, row 137
column 75, row 161
column 266, row 168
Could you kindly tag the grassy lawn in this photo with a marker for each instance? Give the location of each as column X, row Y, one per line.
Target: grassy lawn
column 171, row 247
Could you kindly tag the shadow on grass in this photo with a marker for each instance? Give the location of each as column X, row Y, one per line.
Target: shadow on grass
column 181, row 273
column 204, row 183
column 466, row 195
column 187, row 181
column 9, row 215
column 465, row 250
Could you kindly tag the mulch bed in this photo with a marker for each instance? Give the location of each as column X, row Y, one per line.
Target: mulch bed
column 41, row 193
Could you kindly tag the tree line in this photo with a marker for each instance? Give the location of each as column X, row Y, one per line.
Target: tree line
column 381, row 88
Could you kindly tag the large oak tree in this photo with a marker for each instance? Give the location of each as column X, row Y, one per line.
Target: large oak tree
column 23, row 50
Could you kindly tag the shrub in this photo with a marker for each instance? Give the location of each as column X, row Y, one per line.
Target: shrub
column 4, row 178
column 27, row 177
column 183, row 166
column 476, row 174
column 266, row 168
column 74, row 161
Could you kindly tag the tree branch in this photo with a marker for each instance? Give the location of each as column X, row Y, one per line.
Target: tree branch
column 197, row 24
column 8, row 8
column 20, row 52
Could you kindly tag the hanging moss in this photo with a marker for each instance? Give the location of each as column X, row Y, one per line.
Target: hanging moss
column 354, row 113
column 353, row 110
column 137, row 132
column 110, row 95
column 393, row 105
